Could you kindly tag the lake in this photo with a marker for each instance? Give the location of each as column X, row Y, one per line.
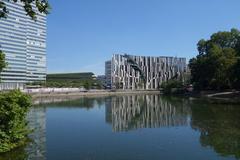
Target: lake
column 132, row 127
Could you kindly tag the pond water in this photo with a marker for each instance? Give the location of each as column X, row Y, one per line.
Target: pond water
column 132, row 127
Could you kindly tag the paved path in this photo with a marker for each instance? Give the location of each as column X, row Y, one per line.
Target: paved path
column 221, row 93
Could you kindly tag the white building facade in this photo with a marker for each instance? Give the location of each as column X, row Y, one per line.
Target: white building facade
column 23, row 41
column 144, row 72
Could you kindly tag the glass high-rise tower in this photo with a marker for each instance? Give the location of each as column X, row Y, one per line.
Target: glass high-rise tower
column 23, row 41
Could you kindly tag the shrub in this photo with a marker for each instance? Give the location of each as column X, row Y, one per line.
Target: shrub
column 172, row 86
column 14, row 106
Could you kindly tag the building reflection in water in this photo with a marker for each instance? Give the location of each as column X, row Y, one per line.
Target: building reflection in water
column 36, row 149
column 145, row 111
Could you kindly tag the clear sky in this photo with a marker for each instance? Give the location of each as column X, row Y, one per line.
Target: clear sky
column 83, row 34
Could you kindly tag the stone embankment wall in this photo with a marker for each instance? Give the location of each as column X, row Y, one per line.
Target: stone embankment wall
column 49, row 95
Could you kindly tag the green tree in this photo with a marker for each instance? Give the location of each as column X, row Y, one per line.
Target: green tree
column 3, row 63
column 87, row 85
column 41, row 5
column 169, row 86
column 236, row 73
column 14, row 107
column 216, row 66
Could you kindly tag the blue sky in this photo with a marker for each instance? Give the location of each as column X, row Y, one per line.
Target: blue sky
column 83, row 34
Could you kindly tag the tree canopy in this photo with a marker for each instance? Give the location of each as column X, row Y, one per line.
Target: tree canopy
column 217, row 64
column 14, row 107
column 41, row 5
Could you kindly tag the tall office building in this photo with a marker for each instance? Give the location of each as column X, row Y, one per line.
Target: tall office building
column 108, row 72
column 143, row 72
column 23, row 41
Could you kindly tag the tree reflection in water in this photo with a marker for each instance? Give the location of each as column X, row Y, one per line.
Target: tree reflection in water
column 36, row 147
column 219, row 126
column 17, row 154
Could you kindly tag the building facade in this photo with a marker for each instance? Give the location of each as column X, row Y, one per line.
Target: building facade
column 143, row 72
column 23, row 41
column 108, row 73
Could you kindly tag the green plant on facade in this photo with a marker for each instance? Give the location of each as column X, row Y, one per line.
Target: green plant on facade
column 136, row 68
column 14, row 106
column 41, row 5
column 3, row 63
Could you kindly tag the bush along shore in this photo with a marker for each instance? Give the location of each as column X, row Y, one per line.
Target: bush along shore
column 14, row 106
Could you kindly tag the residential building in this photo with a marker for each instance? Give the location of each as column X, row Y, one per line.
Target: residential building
column 23, row 41
column 143, row 72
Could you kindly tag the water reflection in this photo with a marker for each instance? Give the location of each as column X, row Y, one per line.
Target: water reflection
column 36, row 148
column 145, row 111
column 37, row 122
column 218, row 125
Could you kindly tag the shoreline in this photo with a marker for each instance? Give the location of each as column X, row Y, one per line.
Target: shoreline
column 53, row 97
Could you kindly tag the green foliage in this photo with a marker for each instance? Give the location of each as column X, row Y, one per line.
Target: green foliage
column 14, row 107
column 19, row 153
column 172, row 86
column 36, row 83
column 136, row 67
column 41, row 5
column 217, row 65
column 236, row 72
column 70, row 76
column 87, row 85
column 73, row 80
column 219, row 127
column 3, row 63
